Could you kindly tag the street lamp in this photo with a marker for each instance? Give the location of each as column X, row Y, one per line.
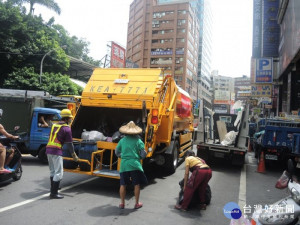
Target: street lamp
column 41, row 68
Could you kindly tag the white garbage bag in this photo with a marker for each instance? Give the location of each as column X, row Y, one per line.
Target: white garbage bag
column 93, row 135
column 85, row 135
column 229, row 138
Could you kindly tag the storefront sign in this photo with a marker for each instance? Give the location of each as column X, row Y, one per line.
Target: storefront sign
column 261, row 90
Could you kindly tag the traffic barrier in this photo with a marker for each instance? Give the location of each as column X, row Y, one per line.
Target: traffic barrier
column 261, row 165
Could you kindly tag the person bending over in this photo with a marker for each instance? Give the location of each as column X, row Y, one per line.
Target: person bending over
column 197, row 182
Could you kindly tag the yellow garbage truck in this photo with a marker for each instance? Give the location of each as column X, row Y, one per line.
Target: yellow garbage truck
column 115, row 96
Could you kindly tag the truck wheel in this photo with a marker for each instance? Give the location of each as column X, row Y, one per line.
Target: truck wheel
column 18, row 173
column 42, row 155
column 172, row 159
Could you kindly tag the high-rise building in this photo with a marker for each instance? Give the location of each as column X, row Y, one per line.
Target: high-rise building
column 164, row 35
column 223, row 90
column 242, row 88
column 204, row 14
column 266, row 47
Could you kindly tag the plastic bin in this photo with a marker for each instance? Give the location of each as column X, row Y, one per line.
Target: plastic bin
column 85, row 152
column 67, row 163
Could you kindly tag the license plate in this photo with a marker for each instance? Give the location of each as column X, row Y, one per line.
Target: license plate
column 271, row 157
column 219, row 155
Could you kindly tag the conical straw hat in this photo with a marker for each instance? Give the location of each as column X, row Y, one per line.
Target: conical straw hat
column 130, row 128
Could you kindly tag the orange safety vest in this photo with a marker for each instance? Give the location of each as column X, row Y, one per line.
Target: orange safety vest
column 53, row 141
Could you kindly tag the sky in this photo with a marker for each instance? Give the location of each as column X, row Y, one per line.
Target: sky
column 102, row 21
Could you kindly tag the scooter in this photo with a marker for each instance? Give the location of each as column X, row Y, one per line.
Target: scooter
column 285, row 211
column 15, row 165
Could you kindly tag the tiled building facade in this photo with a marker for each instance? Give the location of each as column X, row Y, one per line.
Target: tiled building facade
column 165, row 36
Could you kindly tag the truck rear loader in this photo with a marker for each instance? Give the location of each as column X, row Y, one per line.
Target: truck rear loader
column 112, row 98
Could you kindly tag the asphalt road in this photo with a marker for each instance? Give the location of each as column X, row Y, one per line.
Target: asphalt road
column 93, row 200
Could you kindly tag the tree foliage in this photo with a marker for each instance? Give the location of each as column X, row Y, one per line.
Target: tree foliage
column 25, row 39
column 50, row 4
column 54, row 83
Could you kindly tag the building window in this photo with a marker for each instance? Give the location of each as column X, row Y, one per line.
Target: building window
column 167, row 68
column 181, row 30
column 178, row 70
column 179, row 40
column 178, row 78
column 161, row 61
column 161, row 41
column 161, row 51
column 178, row 60
column 180, row 22
column 162, row 14
column 179, row 51
column 155, row 23
column 154, row 32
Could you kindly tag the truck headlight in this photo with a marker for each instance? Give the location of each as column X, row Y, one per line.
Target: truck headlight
column 295, row 195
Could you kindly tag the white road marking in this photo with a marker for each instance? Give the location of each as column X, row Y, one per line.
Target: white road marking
column 242, row 190
column 42, row 196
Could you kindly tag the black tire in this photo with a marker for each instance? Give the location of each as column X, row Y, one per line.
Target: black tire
column 207, row 195
column 172, row 159
column 42, row 155
column 18, row 173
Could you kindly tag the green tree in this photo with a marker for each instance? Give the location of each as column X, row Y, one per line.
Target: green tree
column 24, row 40
column 76, row 47
column 54, row 83
column 50, row 4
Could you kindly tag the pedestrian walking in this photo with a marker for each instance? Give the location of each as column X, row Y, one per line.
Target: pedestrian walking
column 131, row 150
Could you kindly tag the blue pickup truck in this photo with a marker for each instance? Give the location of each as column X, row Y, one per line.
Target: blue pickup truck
column 35, row 140
column 277, row 139
column 23, row 108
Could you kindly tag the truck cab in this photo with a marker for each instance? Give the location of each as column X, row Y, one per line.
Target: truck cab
column 34, row 142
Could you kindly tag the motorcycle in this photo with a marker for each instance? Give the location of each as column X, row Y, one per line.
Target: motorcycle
column 285, row 211
column 15, row 165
